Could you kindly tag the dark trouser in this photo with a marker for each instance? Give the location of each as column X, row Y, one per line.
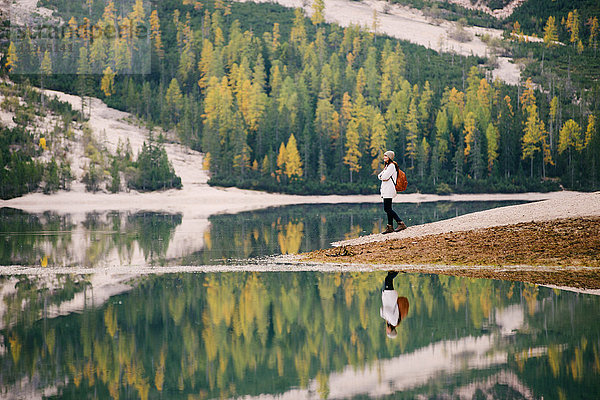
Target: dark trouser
column 391, row 214
column 389, row 280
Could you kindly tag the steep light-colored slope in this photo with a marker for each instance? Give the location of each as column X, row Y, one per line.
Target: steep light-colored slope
column 411, row 25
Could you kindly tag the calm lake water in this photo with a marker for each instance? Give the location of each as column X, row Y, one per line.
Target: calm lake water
column 297, row 335
column 271, row 335
column 119, row 238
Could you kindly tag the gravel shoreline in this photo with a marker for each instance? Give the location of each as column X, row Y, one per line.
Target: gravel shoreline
column 554, row 242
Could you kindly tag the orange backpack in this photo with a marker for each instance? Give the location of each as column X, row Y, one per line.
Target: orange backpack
column 401, row 182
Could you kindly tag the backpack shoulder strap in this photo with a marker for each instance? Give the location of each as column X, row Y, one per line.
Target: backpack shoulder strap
column 396, row 165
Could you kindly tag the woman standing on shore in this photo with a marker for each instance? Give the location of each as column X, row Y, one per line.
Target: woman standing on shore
column 388, row 178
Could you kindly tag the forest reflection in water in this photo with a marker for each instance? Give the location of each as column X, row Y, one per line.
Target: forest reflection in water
column 120, row 238
column 297, row 335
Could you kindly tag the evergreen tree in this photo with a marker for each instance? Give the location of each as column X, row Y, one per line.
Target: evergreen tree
column 174, row 100
column 115, row 183
column 423, row 156
column 51, row 177
column 45, row 71
column 83, row 76
column 154, row 171
column 425, row 104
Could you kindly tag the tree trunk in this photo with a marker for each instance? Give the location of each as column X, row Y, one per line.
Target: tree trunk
column 572, row 168
column 532, row 167
column 543, row 168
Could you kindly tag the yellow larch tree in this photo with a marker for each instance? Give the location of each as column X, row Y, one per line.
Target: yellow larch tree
column 206, row 64
column 72, row 29
column 572, row 25
column 378, row 140
column 532, row 135
column 528, row 96
column 492, row 135
column 593, row 24
column 550, row 32
column 570, row 139
column 11, row 57
column 281, row 160
column 591, row 130
column 298, row 32
column 318, row 6
column 469, row 130
column 293, row 163
column 347, row 106
column 108, row 81
column 360, row 82
column 155, row 34
column 517, row 33
column 137, row 15
column 456, row 106
column 252, row 103
column 353, row 154
column 442, row 140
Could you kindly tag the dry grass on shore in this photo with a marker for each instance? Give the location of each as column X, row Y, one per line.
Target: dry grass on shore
column 570, row 246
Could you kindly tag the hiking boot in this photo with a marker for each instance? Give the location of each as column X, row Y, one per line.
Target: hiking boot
column 388, row 229
column 401, row 226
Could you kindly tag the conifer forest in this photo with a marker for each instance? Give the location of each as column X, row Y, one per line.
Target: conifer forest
column 279, row 101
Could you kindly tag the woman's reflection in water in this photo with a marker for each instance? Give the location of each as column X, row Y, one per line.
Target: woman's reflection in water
column 393, row 308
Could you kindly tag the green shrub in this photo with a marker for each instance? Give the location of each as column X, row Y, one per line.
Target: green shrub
column 443, row 189
column 154, row 171
column 93, row 178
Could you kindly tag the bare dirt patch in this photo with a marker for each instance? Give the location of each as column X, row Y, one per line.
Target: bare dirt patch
column 558, row 252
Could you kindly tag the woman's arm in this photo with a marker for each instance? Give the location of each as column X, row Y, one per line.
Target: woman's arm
column 387, row 172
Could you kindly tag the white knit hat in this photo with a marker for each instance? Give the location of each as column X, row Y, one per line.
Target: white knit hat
column 390, row 154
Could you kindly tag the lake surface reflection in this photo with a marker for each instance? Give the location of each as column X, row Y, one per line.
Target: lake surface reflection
column 295, row 335
column 119, row 238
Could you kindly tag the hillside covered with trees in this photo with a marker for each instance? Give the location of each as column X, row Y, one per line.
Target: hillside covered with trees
column 281, row 102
